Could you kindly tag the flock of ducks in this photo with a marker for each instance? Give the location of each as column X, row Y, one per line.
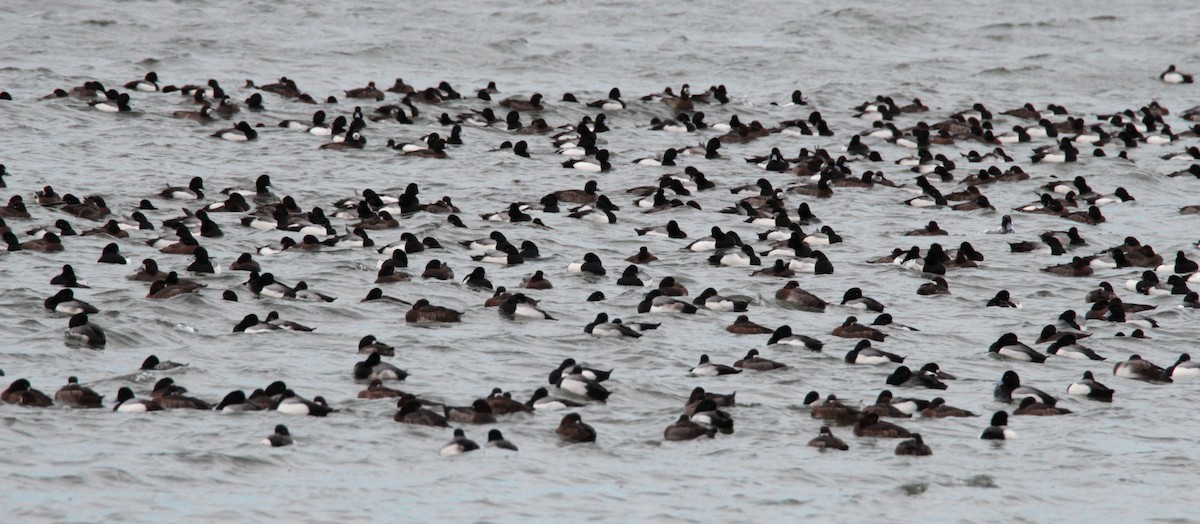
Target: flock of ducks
column 789, row 248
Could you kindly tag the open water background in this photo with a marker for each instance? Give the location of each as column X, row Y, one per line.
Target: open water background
column 1132, row 460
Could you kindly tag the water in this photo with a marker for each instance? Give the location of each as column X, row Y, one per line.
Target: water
column 357, row 464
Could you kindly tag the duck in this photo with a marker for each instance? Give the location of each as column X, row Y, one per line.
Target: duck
column 291, row 404
column 203, row 263
column 376, row 389
column 706, row 411
column 81, row 331
column 118, row 104
column 477, row 279
column 49, row 243
column 21, row 392
column 685, row 429
column 534, row 103
column 193, row 191
column 854, row 299
column 707, row 369
column 370, row 344
column 938, row 409
column 318, row 120
column 850, row 328
column 1003, row 299
column 1031, row 406
column 914, row 447
column 590, row 264
column 930, row 229
column 369, row 92
column 373, row 368
column 152, row 363
column 537, row 281
column 601, row 327
column 743, row 256
column 479, row 412
column 744, row 326
column 783, row 335
column 1172, row 76
column 506, row 254
column 242, row 132
column 245, row 262
column 171, row 287
column 666, row 159
column 423, row 311
column 1181, row 265
column 520, row 306
column 376, row 295
column 656, row 302
column 1009, row 347
column 825, row 440
column 65, row 302
column 1009, row 389
column 541, row 400
column 779, row 269
column 127, row 402
column 938, row 286
column 587, row 372
column 279, row 438
column 1088, row 387
column 171, row 396
column 502, row 403
column 923, row 378
column 576, row 196
column 870, row 426
column 757, row 363
column 1184, row 367
column 251, row 324
column 573, row 429
column 577, row 383
column 612, row 103
column 711, row 300
column 496, row 440
column 863, row 353
column 411, row 412
column 831, row 409
column 148, row 83
column 437, row 270
column 998, row 430
column 1140, row 369
column 1066, row 346
column 819, row 264
column 639, row 327
column 792, row 294
column 66, row 278
column 236, row 401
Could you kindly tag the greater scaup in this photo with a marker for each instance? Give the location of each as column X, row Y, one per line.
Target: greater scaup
column 1140, row 369
column 1010, row 347
column 573, row 429
column 281, row 437
column 65, row 302
column 411, row 412
column 1009, row 389
column 870, row 426
column 1088, row 387
column 127, row 402
column 998, row 430
column 863, row 353
column 479, row 412
column 81, row 331
column 21, row 392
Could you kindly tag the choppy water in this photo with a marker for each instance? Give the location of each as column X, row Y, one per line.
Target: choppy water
column 64, row 465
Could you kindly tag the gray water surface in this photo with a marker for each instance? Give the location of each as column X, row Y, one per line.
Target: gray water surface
column 1127, row 461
